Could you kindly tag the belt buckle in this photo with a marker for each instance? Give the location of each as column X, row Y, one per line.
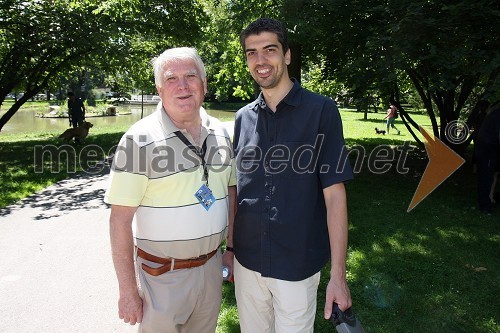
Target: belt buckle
column 172, row 264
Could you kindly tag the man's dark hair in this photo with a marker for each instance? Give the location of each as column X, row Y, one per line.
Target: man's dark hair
column 70, row 93
column 266, row 25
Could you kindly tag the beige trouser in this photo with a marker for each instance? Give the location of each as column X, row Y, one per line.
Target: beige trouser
column 267, row 305
column 181, row 301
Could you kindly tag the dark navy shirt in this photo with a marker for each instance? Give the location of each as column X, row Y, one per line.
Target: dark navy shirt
column 284, row 161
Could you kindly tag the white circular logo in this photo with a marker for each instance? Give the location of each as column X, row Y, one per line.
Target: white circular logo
column 457, row 131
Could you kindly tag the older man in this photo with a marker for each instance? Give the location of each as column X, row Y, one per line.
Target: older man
column 170, row 188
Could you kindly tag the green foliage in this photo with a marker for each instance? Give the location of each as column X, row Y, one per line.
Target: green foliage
column 232, row 77
column 314, row 79
column 447, row 50
column 228, row 77
column 443, row 56
column 43, row 40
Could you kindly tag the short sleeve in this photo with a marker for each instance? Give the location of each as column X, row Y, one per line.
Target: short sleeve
column 334, row 165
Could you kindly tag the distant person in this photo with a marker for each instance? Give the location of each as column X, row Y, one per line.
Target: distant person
column 76, row 110
column 171, row 192
column 486, row 144
column 391, row 116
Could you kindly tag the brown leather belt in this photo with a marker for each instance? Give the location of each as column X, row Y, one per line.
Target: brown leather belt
column 170, row 264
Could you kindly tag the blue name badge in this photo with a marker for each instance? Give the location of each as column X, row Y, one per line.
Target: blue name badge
column 205, row 197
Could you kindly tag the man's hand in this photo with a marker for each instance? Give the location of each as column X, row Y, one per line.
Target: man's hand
column 338, row 292
column 130, row 308
column 228, row 261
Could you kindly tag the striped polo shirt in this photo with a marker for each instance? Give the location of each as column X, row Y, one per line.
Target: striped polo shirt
column 155, row 171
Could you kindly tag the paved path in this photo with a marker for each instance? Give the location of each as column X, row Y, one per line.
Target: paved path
column 56, row 272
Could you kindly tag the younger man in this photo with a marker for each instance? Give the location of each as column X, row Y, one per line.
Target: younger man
column 292, row 212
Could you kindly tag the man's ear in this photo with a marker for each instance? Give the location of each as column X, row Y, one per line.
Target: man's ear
column 205, row 86
column 288, row 56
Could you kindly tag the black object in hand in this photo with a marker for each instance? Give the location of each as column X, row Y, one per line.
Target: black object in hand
column 345, row 322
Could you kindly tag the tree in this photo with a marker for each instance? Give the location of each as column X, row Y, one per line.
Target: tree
column 228, row 76
column 41, row 40
column 314, row 78
column 221, row 50
column 226, row 61
column 449, row 50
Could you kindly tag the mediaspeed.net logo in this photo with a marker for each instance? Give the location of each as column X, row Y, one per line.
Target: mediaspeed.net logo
column 443, row 161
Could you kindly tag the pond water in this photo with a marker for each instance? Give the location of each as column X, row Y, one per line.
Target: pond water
column 25, row 121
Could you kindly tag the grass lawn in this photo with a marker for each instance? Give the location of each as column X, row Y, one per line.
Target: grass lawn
column 434, row 269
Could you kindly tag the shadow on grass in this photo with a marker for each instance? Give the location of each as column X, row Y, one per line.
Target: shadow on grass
column 65, row 196
column 434, row 269
column 30, row 166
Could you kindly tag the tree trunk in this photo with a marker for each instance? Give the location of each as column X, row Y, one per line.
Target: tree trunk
column 405, row 117
column 295, row 66
column 16, row 106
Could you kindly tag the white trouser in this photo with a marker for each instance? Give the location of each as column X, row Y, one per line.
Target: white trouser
column 267, row 305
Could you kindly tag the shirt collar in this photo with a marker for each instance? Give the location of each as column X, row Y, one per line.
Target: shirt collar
column 292, row 98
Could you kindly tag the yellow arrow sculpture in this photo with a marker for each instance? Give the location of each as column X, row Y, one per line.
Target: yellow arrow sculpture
column 443, row 162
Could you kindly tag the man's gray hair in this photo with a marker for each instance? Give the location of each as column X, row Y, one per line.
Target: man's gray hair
column 174, row 55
